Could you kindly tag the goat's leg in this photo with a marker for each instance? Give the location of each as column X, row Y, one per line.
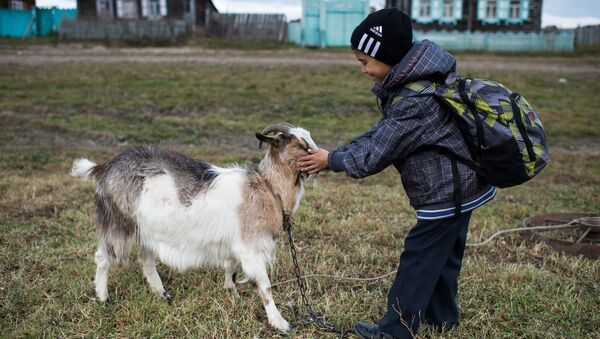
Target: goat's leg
column 102, row 268
column 148, row 263
column 230, row 266
column 256, row 270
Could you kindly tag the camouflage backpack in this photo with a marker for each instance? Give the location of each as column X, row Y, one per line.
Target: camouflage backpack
column 503, row 132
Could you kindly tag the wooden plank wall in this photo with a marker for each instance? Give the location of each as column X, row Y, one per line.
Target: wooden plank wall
column 247, row 26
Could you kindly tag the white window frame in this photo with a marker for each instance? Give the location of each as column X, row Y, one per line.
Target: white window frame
column 515, row 9
column 425, row 10
column 447, row 9
column 491, row 9
column 154, row 8
column 149, row 7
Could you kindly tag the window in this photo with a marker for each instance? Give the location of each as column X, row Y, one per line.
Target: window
column 104, row 8
column 16, row 4
column 154, row 8
column 425, row 9
column 127, row 9
column 515, row 9
column 447, row 9
column 491, row 9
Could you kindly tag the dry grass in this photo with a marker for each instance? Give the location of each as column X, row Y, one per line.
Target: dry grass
column 50, row 116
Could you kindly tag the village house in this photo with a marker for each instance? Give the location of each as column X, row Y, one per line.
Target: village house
column 477, row 25
column 484, row 25
column 473, row 15
column 137, row 20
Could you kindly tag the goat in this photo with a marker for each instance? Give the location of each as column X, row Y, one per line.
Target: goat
column 189, row 213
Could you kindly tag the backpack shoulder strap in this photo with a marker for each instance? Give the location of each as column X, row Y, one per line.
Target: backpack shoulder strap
column 443, row 150
column 414, row 89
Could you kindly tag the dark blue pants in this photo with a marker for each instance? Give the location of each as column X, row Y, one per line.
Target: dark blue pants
column 427, row 279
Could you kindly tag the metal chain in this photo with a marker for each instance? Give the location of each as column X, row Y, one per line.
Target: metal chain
column 318, row 320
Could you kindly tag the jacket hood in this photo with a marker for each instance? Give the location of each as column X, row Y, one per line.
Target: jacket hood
column 425, row 60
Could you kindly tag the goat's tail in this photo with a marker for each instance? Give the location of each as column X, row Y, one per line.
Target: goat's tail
column 82, row 168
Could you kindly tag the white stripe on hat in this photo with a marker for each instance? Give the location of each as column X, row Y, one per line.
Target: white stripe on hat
column 362, row 40
column 375, row 49
column 366, row 50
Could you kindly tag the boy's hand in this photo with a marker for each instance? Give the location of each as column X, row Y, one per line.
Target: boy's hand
column 316, row 161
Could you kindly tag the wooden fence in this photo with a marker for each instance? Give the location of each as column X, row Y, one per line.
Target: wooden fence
column 587, row 36
column 247, row 26
column 523, row 42
column 123, row 29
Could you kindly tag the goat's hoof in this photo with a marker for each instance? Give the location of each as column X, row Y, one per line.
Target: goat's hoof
column 102, row 297
column 229, row 285
column 106, row 302
column 282, row 325
column 166, row 297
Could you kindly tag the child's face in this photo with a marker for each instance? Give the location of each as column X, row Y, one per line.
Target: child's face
column 376, row 69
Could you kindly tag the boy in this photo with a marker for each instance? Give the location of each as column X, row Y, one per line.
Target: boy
column 442, row 191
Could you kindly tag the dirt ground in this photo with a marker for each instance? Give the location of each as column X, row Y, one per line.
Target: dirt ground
column 79, row 53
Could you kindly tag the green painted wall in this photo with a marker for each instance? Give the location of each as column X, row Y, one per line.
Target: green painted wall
column 327, row 23
column 36, row 22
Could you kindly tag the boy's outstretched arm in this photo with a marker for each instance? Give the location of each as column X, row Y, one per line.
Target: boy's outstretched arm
column 316, row 161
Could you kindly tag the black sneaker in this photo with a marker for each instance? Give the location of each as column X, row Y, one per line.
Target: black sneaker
column 370, row 331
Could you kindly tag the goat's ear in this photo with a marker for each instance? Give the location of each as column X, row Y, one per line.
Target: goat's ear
column 263, row 138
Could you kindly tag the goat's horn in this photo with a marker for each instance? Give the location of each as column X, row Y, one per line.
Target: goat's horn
column 283, row 127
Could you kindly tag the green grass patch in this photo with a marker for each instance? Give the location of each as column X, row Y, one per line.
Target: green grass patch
column 145, row 103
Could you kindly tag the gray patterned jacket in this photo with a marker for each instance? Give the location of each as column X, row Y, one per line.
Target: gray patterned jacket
column 407, row 125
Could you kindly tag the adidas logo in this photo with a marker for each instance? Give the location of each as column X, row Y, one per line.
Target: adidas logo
column 366, row 48
column 378, row 30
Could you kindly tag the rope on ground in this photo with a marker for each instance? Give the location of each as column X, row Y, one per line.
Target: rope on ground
column 571, row 224
column 595, row 221
column 335, row 277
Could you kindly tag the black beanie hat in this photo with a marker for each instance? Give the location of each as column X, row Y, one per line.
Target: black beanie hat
column 385, row 35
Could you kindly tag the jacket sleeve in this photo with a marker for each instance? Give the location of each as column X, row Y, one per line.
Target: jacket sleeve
column 393, row 137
